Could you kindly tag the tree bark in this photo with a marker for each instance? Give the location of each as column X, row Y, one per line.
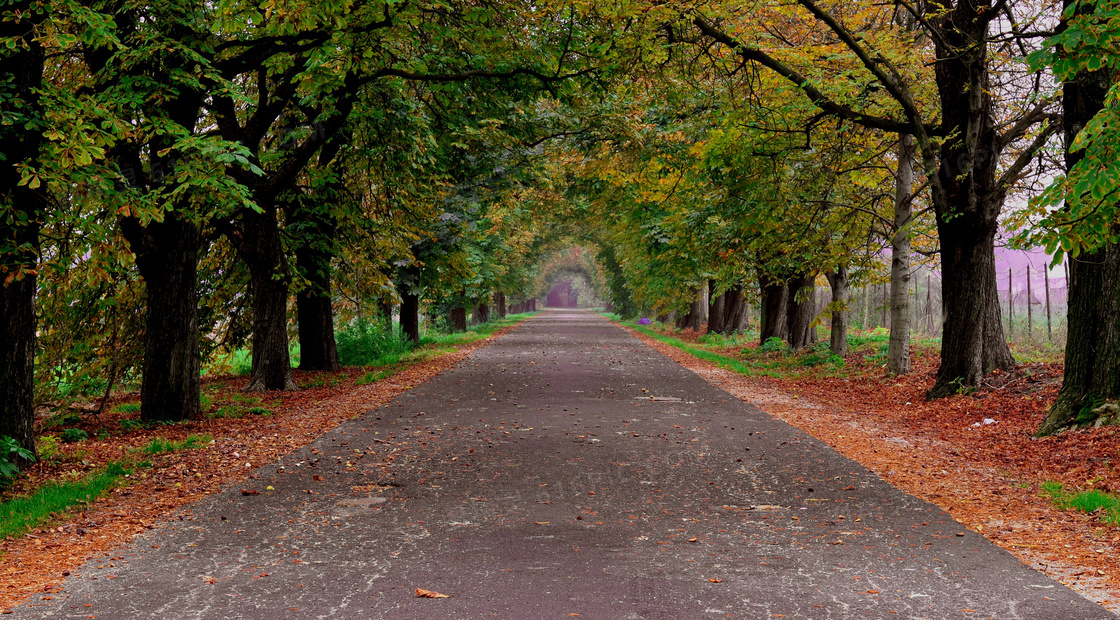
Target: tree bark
column 314, row 313
column 482, row 312
column 1092, row 361
column 410, row 316
column 898, row 346
column 691, row 318
column 459, row 319
column 736, row 309
column 167, row 258
column 838, row 282
column 967, row 198
column 261, row 249
column 500, row 302
column 775, row 312
column 716, row 305
column 802, row 313
column 21, row 211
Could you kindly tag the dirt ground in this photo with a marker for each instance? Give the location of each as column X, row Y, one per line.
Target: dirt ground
column 986, row 475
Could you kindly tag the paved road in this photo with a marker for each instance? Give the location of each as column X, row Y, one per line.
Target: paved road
column 566, row 469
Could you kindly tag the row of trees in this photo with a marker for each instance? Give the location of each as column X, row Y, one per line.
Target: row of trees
column 198, row 164
column 775, row 142
column 175, row 173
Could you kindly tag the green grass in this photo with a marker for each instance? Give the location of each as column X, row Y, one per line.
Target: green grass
column 22, row 514
column 372, row 376
column 741, row 354
column 1090, row 501
column 159, row 445
column 719, row 360
column 229, row 411
column 128, row 408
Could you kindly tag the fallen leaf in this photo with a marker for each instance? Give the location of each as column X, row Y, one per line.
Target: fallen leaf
column 250, row 492
column 693, row 539
column 716, row 580
column 422, row 593
column 872, row 591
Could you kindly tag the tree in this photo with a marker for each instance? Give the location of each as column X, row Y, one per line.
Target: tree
column 961, row 154
column 1087, row 226
column 22, row 206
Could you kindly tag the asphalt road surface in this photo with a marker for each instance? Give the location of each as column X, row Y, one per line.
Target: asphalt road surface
column 566, row 470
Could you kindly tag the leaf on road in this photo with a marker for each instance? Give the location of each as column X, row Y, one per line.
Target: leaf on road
column 422, row 593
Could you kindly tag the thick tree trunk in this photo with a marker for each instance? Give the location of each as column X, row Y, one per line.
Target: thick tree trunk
column 775, row 312
column 972, row 342
column 1092, row 362
column 410, row 316
column 385, row 311
column 801, row 313
column 838, row 282
column 686, row 320
column 716, row 305
column 458, row 319
column 317, row 347
column 967, row 198
column 315, row 237
column 500, row 302
column 482, row 312
column 898, row 347
column 696, row 311
column 21, row 211
column 263, row 252
column 167, row 258
column 735, row 311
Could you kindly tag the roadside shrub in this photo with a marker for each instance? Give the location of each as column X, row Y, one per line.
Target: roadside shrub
column 365, row 343
column 773, row 344
column 72, row 435
column 10, row 452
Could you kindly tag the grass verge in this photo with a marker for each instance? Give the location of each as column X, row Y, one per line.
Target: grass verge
column 159, row 445
column 1093, row 501
column 26, row 513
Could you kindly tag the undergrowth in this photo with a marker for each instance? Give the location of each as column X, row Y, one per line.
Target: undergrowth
column 53, row 498
column 1092, row 501
column 159, row 445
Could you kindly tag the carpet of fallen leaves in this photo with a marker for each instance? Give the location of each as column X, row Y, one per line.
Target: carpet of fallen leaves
column 31, row 566
column 987, row 476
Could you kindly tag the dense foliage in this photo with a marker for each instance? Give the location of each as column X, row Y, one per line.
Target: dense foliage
column 182, row 180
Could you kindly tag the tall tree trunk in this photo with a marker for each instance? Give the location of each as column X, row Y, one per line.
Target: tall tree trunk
column 801, row 313
column 698, row 310
column 459, row 319
column 898, row 347
column 775, row 312
column 716, row 306
column 838, row 282
column 315, row 316
column 262, row 250
column 317, row 347
column 482, row 312
column 967, row 198
column 410, row 313
column 21, row 211
column 167, row 258
column 736, row 309
column 689, row 318
column 1092, row 362
column 500, row 302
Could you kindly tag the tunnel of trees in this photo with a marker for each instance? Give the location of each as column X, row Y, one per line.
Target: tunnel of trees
column 182, row 180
